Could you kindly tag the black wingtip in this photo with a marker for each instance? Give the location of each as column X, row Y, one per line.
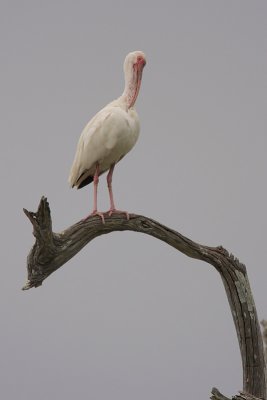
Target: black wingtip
column 85, row 182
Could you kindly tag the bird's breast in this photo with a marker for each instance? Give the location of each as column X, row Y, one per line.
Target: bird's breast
column 122, row 133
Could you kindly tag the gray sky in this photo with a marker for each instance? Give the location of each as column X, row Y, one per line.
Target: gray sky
column 129, row 317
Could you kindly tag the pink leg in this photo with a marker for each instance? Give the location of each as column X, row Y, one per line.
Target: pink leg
column 112, row 204
column 109, row 182
column 96, row 180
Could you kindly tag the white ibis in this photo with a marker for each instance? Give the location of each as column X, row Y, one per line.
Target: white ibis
column 109, row 135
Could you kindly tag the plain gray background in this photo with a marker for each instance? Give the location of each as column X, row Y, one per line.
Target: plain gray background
column 129, row 317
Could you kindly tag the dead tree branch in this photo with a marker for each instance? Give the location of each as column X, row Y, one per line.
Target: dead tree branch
column 216, row 395
column 264, row 335
column 52, row 250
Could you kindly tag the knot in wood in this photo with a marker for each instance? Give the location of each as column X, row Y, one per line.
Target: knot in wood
column 145, row 224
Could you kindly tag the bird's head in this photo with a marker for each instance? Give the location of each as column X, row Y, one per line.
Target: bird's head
column 133, row 68
column 135, row 59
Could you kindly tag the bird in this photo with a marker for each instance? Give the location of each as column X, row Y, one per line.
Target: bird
column 109, row 136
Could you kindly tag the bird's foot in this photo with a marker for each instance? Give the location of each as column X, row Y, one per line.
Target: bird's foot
column 95, row 212
column 114, row 211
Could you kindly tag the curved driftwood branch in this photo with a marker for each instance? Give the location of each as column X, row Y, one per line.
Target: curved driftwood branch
column 216, row 395
column 52, row 250
column 264, row 335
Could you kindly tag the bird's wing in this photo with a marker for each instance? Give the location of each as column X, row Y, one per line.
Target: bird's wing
column 87, row 152
column 96, row 141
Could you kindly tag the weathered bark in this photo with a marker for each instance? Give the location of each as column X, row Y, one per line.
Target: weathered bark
column 264, row 335
column 52, row 250
column 216, row 395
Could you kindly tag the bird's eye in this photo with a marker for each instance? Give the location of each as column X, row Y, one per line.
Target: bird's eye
column 141, row 60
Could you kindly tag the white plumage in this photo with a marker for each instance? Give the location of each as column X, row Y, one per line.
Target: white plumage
column 110, row 134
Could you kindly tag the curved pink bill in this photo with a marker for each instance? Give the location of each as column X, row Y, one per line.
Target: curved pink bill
column 137, row 78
